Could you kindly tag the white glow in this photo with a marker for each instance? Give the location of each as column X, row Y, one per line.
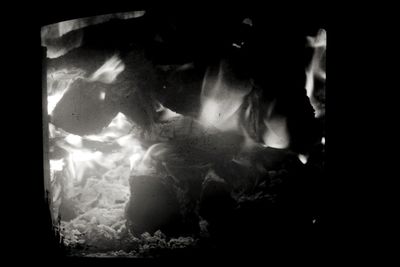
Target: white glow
column 303, row 158
column 82, row 161
column 102, row 95
column 248, row 21
column 134, row 160
column 276, row 135
column 52, row 102
column 85, row 155
column 118, row 127
column 236, row 45
column 58, row 83
column 109, row 71
column 52, row 131
column 221, row 100
column 56, row 165
column 74, row 140
column 323, row 140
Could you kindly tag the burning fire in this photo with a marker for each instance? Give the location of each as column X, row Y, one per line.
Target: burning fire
column 58, row 83
column 125, row 149
column 316, row 70
column 276, row 134
column 109, row 71
column 221, row 100
column 93, row 166
column 99, row 162
column 221, row 104
column 90, row 185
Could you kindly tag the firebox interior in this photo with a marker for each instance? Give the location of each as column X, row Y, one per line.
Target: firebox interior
column 171, row 132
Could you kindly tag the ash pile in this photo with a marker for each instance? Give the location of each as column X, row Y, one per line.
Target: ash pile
column 170, row 133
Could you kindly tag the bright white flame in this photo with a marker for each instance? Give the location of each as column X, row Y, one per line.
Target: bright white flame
column 109, row 71
column 52, row 102
column 74, row 140
column 303, row 158
column 58, row 83
column 316, row 68
column 85, row 155
column 126, row 149
column 134, row 160
column 55, row 166
column 323, row 140
column 221, row 100
column 79, row 161
column 276, row 135
column 222, row 97
column 119, row 126
column 95, row 172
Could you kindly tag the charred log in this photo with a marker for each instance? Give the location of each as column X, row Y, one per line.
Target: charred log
column 154, row 206
column 82, row 111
